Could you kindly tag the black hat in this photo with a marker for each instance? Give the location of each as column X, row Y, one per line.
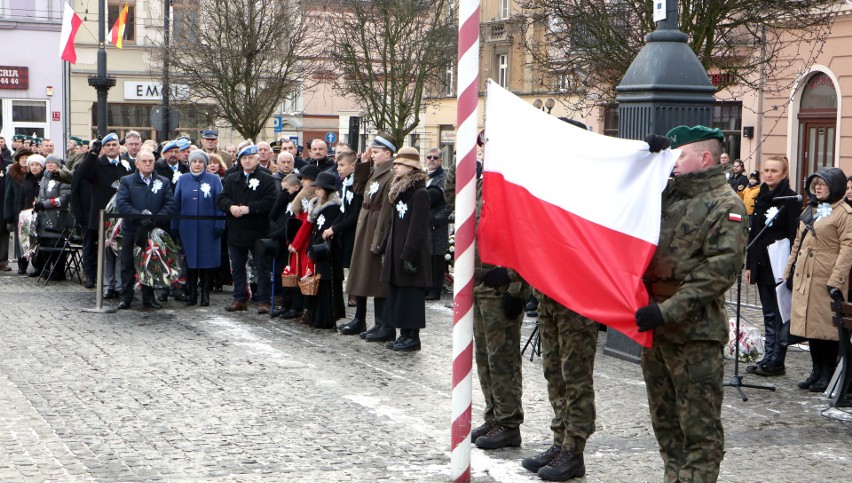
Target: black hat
column 276, row 146
column 325, row 180
column 310, row 172
column 21, row 152
column 834, row 178
column 755, row 174
column 320, row 250
column 267, row 247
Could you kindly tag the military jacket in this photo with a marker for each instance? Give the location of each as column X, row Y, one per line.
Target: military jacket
column 702, row 241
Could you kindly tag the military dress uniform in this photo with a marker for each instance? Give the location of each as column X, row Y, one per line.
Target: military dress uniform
column 700, row 251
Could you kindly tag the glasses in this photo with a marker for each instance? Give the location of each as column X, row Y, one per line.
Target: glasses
column 433, row 157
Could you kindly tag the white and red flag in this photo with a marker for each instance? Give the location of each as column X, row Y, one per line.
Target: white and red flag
column 576, row 214
column 70, row 24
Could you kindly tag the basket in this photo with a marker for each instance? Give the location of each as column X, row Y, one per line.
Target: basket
column 309, row 284
column 291, row 279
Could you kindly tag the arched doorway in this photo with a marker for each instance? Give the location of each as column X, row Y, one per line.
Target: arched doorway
column 817, row 125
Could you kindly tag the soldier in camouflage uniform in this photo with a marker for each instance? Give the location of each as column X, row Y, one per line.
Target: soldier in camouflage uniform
column 499, row 295
column 702, row 240
column 568, row 346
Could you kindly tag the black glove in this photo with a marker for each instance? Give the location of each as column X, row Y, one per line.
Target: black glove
column 789, row 283
column 649, row 317
column 496, row 277
column 95, row 146
column 218, row 232
column 148, row 224
column 409, row 267
column 835, row 294
column 512, row 306
column 657, row 143
column 38, row 206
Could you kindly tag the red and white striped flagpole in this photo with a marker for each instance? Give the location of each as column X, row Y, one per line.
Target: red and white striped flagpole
column 465, row 224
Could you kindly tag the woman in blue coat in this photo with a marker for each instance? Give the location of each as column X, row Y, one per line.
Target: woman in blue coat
column 195, row 195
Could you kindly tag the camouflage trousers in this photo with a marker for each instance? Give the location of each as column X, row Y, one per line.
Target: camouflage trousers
column 684, row 384
column 568, row 347
column 497, row 351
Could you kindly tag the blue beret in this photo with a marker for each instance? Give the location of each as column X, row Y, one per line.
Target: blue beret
column 169, row 146
column 682, row 135
column 110, row 137
column 183, row 144
column 250, row 149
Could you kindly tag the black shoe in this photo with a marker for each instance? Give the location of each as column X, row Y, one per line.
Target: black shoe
column 565, row 466
column 384, row 334
column 532, row 313
column 110, row 294
column 407, row 344
column 152, row 304
column 205, row 299
column 123, row 305
column 542, row 459
column 163, row 297
column 432, row 296
column 752, row 368
column 821, row 384
column 291, row 314
column 814, row 377
column 482, row 430
column 191, row 300
column 356, row 326
column 390, row 344
column 369, row 331
column 89, row 284
column 770, row 369
column 499, row 437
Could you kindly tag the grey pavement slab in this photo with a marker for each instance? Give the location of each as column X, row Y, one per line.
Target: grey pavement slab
column 197, row 394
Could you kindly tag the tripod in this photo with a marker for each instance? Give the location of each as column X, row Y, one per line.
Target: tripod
column 535, row 340
column 737, row 379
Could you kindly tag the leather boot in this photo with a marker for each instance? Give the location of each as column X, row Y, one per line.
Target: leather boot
column 206, row 284
column 370, row 331
column 564, row 467
column 500, row 437
column 481, row 430
column 814, row 377
column 383, row 334
column 192, row 287
column 821, row 384
column 307, row 317
column 539, row 461
column 355, row 326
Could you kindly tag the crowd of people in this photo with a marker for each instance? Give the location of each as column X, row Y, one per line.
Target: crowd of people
column 301, row 238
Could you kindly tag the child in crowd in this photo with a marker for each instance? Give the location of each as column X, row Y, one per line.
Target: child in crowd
column 750, row 192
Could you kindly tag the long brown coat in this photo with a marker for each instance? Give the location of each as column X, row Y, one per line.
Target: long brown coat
column 365, row 268
column 824, row 260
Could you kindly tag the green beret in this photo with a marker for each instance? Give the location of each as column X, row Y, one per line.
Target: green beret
column 84, row 142
column 682, row 135
column 18, row 137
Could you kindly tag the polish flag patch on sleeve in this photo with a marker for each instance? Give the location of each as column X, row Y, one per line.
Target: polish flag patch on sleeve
column 735, row 217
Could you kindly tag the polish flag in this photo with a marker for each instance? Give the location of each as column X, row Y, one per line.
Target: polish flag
column 70, row 24
column 116, row 33
column 576, row 214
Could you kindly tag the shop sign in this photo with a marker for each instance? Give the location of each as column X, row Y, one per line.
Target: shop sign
column 14, row 77
column 153, row 91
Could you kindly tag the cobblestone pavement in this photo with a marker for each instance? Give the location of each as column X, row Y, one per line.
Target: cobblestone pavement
column 199, row 395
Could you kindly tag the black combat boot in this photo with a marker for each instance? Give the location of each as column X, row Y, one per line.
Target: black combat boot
column 481, row 430
column 542, row 459
column 565, row 466
column 814, row 377
column 821, row 384
column 500, row 437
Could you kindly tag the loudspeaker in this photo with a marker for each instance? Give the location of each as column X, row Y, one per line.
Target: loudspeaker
column 748, row 132
column 354, row 132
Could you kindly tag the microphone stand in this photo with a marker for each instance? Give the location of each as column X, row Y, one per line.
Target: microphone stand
column 737, row 379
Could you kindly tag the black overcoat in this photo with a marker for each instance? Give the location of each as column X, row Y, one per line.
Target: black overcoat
column 103, row 177
column 408, row 237
column 258, row 193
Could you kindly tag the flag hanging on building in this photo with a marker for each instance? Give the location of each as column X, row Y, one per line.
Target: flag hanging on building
column 576, row 214
column 116, row 33
column 70, row 24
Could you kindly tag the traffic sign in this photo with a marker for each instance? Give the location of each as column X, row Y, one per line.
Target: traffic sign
column 158, row 115
column 330, row 137
column 278, row 123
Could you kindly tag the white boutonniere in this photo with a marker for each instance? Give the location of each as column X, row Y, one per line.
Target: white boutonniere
column 125, row 164
column 770, row 215
column 320, row 221
column 115, row 184
column 205, row 188
column 374, row 188
column 401, row 208
column 823, row 211
column 349, row 196
column 175, row 176
column 304, row 204
column 254, row 183
column 50, row 185
column 158, row 185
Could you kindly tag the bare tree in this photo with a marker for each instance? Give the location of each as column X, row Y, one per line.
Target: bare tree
column 388, row 52
column 239, row 58
column 584, row 47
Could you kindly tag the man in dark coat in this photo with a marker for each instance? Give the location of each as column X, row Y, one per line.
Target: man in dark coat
column 434, row 169
column 170, row 166
column 139, row 192
column 247, row 198
column 103, row 174
column 319, row 156
column 5, row 161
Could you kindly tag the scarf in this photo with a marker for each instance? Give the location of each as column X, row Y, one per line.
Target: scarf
column 412, row 179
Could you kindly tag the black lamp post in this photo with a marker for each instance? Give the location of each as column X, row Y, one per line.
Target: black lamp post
column 102, row 82
column 664, row 87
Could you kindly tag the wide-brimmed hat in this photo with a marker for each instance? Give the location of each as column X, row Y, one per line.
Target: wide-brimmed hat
column 309, row 172
column 326, row 180
column 408, row 156
column 22, row 152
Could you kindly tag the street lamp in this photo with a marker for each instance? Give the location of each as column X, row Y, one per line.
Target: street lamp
column 549, row 103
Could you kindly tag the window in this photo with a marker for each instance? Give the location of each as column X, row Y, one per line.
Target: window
column 504, row 8
column 27, row 117
column 611, row 120
column 449, row 85
column 184, row 21
column 113, row 9
column 728, row 117
column 503, row 70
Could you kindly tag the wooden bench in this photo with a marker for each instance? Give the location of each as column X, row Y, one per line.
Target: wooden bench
column 838, row 389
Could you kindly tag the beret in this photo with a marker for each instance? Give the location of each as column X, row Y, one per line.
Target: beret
column 683, row 135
